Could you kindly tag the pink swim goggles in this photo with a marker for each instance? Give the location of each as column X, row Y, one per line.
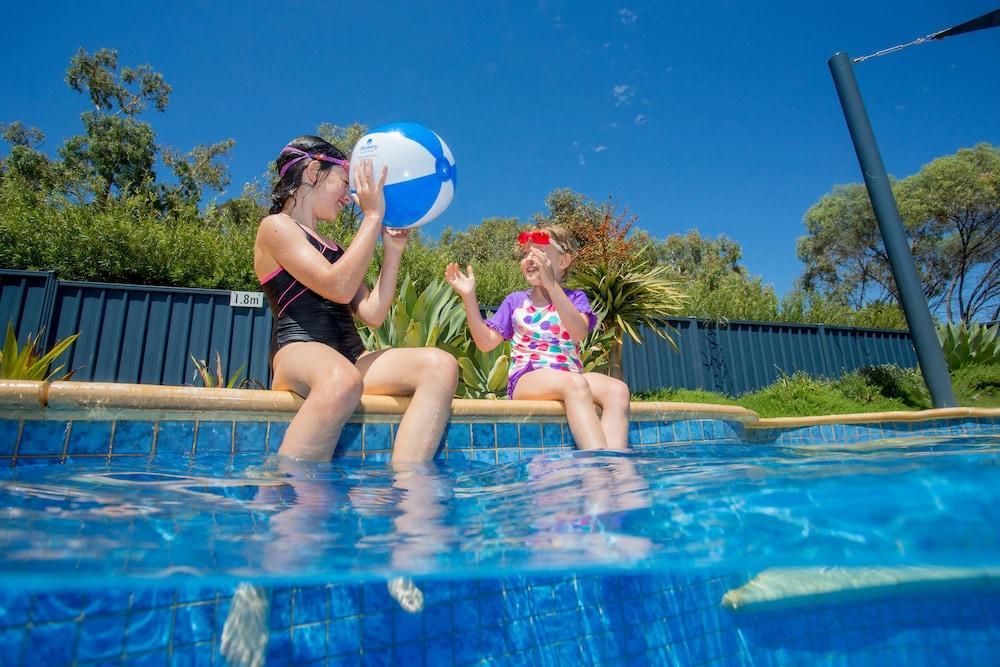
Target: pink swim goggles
column 303, row 155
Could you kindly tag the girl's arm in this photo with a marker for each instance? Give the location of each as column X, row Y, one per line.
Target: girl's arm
column 485, row 338
column 372, row 307
column 282, row 239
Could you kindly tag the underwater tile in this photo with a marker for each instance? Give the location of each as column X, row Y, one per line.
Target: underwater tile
column 281, row 610
column 506, row 435
column 344, row 635
column 153, row 659
column 275, row 434
column 350, row 439
column 8, row 436
column 308, row 643
column 377, row 437
column 344, row 600
column 458, row 436
column 215, row 437
column 132, row 437
column 250, row 437
column 377, row 457
column 149, row 631
column 648, row 433
column 376, row 630
column 530, row 435
column 11, row 643
column 552, row 435
column 37, row 461
column 194, row 623
column 633, row 434
column 86, row 437
column 508, row 455
column 43, row 437
column 483, row 436
column 665, row 430
column 485, row 456
column 100, row 637
column 309, row 605
column 408, row 627
column 174, row 437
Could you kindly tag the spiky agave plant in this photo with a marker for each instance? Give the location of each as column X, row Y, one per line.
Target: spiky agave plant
column 28, row 362
column 967, row 345
column 626, row 296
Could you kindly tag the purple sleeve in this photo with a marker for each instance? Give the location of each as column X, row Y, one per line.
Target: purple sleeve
column 502, row 321
column 582, row 303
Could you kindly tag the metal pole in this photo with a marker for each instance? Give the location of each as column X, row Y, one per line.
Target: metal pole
column 904, row 270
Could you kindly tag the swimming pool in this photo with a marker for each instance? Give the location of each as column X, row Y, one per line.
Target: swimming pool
column 711, row 544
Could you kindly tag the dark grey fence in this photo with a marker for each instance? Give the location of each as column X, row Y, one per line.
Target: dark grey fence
column 135, row 333
column 131, row 333
column 737, row 357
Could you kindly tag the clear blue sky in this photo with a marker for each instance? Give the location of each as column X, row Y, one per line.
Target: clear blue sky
column 718, row 116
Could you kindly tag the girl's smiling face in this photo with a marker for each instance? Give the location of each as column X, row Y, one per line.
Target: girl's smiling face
column 530, row 269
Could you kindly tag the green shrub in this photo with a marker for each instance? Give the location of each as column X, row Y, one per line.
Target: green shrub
column 977, row 385
column 891, row 381
column 968, row 345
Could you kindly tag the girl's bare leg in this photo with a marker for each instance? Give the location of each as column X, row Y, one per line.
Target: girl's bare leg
column 574, row 391
column 428, row 374
column 614, row 398
column 331, row 386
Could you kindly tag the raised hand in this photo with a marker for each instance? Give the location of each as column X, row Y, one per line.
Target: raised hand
column 394, row 239
column 367, row 193
column 546, row 273
column 465, row 285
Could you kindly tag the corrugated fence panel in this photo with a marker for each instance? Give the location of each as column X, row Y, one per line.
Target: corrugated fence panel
column 143, row 334
column 26, row 302
column 737, row 357
column 149, row 334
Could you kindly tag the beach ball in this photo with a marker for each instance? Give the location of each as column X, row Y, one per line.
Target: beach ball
column 421, row 179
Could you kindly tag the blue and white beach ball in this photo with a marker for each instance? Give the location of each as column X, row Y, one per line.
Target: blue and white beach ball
column 421, row 179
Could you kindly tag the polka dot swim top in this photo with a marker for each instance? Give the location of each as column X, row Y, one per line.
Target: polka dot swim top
column 537, row 337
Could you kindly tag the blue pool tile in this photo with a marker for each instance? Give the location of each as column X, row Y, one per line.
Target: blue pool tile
column 666, row 431
column 11, row 643
column 466, row 615
column 309, row 605
column 148, row 631
column 344, row 635
column 59, row 606
column 43, row 437
column 633, row 434
column 308, row 643
column 279, row 648
column 439, row 652
column 483, row 436
column 196, row 655
column 251, row 437
column 194, row 592
column 87, row 437
column 194, row 623
column 506, row 435
column 409, row 654
column 485, row 456
column 52, row 643
column 275, row 434
column 215, row 437
column 13, row 608
column 153, row 659
column 458, row 436
column 350, row 439
column 101, row 636
column 344, row 600
column 648, row 433
column 552, row 435
column 508, row 455
column 377, row 437
column 457, row 455
column 376, row 630
column 281, row 610
column 408, row 627
column 439, row 619
column 8, row 436
column 468, row 648
column 174, row 437
column 132, row 437
column 148, row 598
column 530, row 435
column 377, row 457
column 682, row 431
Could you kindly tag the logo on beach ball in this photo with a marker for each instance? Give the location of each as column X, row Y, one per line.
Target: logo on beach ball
column 421, row 179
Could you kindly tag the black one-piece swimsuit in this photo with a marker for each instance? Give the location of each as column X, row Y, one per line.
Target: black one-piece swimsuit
column 301, row 315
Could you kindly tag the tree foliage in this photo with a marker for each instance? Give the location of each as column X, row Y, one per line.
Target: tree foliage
column 951, row 211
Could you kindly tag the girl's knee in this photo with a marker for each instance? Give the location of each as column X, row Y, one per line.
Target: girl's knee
column 439, row 365
column 339, row 387
column 575, row 386
column 619, row 394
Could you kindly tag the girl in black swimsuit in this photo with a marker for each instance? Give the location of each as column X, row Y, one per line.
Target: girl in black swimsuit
column 316, row 290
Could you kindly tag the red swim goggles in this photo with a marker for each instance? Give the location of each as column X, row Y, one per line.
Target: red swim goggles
column 538, row 237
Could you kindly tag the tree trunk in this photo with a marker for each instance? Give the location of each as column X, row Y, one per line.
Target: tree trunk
column 615, row 361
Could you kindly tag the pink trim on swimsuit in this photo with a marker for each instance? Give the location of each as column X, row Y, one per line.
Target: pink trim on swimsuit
column 318, row 238
column 285, row 307
column 272, row 274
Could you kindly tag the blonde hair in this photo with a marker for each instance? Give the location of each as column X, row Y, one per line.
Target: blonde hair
column 566, row 239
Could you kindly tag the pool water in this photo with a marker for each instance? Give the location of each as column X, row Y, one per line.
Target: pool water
column 594, row 558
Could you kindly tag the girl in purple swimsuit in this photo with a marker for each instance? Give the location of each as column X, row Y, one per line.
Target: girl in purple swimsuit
column 545, row 325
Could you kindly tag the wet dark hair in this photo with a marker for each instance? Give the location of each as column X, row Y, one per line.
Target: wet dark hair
column 285, row 186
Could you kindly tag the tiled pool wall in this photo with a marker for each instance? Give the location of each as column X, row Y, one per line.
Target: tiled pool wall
column 32, row 440
column 562, row 620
